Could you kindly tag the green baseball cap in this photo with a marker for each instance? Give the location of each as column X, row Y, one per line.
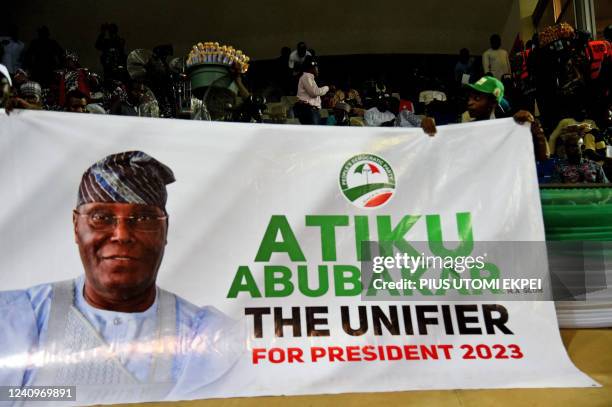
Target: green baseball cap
column 488, row 84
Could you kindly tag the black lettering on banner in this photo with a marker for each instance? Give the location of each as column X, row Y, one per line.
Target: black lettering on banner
column 258, row 313
column 294, row 322
column 407, row 320
column 392, row 323
column 491, row 322
column 463, row 320
column 386, row 320
column 312, row 321
column 422, row 320
column 346, row 320
column 448, row 321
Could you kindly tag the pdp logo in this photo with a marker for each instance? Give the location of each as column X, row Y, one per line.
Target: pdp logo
column 367, row 181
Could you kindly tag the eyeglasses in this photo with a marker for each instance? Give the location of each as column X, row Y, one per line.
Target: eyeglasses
column 104, row 222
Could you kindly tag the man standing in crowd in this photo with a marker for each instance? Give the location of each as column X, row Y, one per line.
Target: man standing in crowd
column 495, row 60
column 112, row 48
column 12, row 50
column 575, row 169
column 298, row 56
column 307, row 108
column 72, row 77
column 283, row 75
column 43, row 57
column 134, row 340
column 464, row 68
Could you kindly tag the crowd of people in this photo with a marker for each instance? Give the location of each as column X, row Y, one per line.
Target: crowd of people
column 559, row 80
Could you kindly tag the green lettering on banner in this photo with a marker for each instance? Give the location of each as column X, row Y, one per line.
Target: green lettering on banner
column 464, row 231
column 244, row 282
column 389, row 236
column 303, row 281
column 278, row 275
column 328, row 224
column 288, row 244
column 341, row 280
column 362, row 234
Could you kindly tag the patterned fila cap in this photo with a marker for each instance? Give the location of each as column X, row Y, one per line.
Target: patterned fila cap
column 128, row 177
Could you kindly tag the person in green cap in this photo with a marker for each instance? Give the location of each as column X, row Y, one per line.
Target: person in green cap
column 483, row 98
column 485, row 95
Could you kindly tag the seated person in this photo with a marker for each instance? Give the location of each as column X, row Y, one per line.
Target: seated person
column 595, row 146
column 576, row 169
column 76, row 102
column 138, row 100
column 380, row 115
column 340, row 116
column 577, row 121
column 30, row 96
column 352, row 97
column 407, row 118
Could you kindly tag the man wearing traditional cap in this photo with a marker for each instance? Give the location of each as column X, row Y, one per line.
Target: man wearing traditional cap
column 112, row 332
column 30, row 96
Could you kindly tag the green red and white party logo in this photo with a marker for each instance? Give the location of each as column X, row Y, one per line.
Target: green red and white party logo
column 367, row 181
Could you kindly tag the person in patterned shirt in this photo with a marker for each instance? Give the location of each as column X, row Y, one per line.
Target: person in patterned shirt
column 576, row 169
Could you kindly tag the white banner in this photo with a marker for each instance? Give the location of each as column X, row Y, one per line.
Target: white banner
column 266, row 225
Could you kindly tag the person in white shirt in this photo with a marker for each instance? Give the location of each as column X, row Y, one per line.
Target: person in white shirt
column 380, row 115
column 298, row 56
column 309, row 94
column 495, row 59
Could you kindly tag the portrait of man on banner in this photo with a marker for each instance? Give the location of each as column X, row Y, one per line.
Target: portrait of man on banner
column 111, row 331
